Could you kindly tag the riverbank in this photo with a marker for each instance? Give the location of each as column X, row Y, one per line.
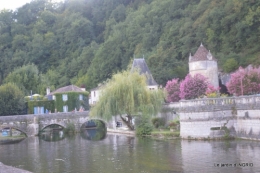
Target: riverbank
column 121, row 131
column 10, row 169
column 156, row 134
column 165, row 134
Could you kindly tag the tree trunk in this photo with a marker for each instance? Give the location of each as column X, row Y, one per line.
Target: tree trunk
column 128, row 122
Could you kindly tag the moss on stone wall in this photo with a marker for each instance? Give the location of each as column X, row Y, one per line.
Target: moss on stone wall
column 47, row 104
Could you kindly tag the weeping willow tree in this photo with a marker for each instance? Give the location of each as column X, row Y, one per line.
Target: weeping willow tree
column 127, row 94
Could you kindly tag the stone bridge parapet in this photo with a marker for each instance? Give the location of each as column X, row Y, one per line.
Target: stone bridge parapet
column 221, row 103
column 32, row 124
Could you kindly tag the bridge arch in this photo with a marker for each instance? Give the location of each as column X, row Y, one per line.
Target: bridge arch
column 93, row 129
column 48, row 125
column 14, row 127
column 94, row 119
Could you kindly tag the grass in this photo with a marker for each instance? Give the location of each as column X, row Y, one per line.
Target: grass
column 165, row 134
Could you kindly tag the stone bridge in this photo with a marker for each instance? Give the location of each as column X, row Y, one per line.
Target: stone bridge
column 32, row 124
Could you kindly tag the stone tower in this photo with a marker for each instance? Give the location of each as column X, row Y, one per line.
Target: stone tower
column 204, row 63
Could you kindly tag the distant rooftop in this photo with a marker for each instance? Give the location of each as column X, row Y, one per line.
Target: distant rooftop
column 98, row 87
column 202, row 54
column 70, row 88
column 140, row 64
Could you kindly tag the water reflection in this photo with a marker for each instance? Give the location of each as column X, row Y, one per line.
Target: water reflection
column 119, row 153
column 11, row 141
column 52, row 133
column 93, row 134
column 52, row 136
column 93, row 130
column 11, row 136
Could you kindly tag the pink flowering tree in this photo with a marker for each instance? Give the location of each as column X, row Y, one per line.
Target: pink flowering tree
column 244, row 81
column 193, row 87
column 211, row 91
column 173, row 90
column 252, row 85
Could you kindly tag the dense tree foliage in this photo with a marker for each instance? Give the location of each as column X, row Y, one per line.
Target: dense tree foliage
column 244, row 81
column 127, row 94
column 84, row 42
column 11, row 100
column 28, row 79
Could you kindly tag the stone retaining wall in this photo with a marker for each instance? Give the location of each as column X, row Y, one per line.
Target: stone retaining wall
column 217, row 118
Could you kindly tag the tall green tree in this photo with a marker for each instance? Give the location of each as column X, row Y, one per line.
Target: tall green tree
column 28, row 78
column 11, row 100
column 127, row 94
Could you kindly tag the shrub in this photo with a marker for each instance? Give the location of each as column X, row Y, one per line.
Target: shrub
column 143, row 126
column 193, row 87
column 173, row 90
column 212, row 91
column 173, row 124
column 157, row 122
column 70, row 128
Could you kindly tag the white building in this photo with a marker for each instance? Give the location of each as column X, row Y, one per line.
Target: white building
column 94, row 95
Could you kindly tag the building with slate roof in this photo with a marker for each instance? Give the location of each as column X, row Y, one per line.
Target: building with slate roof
column 70, row 88
column 68, row 98
column 141, row 66
column 203, row 62
column 65, row 99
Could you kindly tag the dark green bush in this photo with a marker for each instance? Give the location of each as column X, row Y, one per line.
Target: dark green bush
column 144, row 129
column 174, row 124
column 70, row 128
column 158, row 122
column 143, row 126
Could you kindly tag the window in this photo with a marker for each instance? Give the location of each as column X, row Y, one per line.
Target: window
column 64, row 97
column 38, row 110
column 65, row 108
column 80, row 97
column 53, row 97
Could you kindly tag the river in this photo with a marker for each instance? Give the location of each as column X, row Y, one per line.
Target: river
column 125, row 154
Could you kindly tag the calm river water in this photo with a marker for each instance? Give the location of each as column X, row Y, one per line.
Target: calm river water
column 124, row 154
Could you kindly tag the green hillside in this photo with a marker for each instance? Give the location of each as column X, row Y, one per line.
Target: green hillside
column 84, row 42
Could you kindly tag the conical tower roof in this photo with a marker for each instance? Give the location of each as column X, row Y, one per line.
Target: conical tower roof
column 140, row 64
column 202, row 54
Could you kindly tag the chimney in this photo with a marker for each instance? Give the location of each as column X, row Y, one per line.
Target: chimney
column 47, row 90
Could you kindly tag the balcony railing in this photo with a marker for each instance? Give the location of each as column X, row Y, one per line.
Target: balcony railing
column 252, row 101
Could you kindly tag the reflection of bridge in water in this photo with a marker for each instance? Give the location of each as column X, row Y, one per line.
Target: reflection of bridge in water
column 32, row 124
